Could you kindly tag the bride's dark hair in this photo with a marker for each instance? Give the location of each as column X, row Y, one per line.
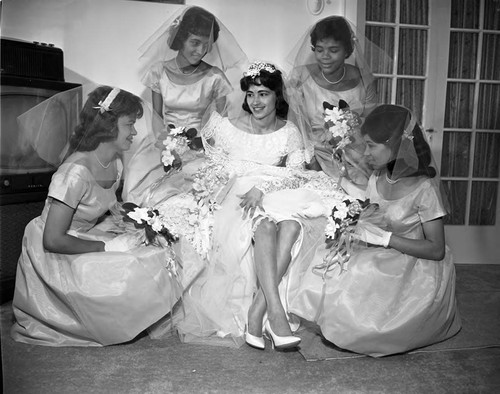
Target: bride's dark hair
column 271, row 80
column 198, row 21
column 96, row 127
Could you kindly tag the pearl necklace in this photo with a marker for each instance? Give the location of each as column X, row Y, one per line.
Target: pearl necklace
column 99, row 161
column 182, row 72
column 251, row 124
column 336, row 82
column 391, row 181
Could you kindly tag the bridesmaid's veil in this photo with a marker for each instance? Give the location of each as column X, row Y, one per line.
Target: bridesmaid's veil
column 224, row 51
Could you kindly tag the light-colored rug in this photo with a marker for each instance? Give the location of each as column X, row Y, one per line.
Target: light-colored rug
column 479, row 305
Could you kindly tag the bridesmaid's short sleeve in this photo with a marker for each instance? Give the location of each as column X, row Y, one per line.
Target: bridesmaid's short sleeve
column 152, row 77
column 429, row 203
column 222, row 86
column 69, row 184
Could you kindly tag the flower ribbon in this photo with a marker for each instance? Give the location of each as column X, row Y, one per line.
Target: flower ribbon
column 105, row 105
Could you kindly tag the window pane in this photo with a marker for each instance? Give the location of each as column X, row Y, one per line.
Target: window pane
column 491, row 15
column 384, row 87
column 381, row 10
column 488, row 111
column 490, row 62
column 463, row 53
column 456, row 154
column 456, row 192
column 414, row 12
column 410, row 93
column 459, row 104
column 412, row 52
column 483, row 209
column 465, row 13
column 487, row 155
column 382, row 37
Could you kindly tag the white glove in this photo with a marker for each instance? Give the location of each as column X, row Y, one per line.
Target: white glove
column 73, row 233
column 121, row 243
column 372, row 234
column 313, row 210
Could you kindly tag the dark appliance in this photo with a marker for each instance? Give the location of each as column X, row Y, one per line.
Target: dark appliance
column 30, row 73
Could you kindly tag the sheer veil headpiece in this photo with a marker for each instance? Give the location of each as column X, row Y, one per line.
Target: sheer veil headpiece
column 223, row 49
column 364, row 52
column 398, row 128
column 47, row 128
column 302, row 58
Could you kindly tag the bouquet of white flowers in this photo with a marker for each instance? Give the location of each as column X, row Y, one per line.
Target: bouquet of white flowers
column 341, row 225
column 150, row 220
column 178, row 141
column 340, row 123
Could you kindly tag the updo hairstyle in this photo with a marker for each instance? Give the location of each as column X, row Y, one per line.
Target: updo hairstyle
column 96, row 127
column 271, row 80
column 198, row 21
column 386, row 125
column 334, row 27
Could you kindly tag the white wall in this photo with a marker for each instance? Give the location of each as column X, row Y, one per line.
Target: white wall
column 100, row 38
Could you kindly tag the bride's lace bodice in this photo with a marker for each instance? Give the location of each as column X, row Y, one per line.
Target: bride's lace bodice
column 269, row 149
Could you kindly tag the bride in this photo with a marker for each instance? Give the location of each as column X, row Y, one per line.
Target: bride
column 255, row 182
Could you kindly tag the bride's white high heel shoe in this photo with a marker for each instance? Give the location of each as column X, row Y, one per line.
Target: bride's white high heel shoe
column 278, row 342
column 253, row 341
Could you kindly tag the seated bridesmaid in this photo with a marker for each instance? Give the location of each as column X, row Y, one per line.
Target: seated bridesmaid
column 396, row 290
column 78, row 283
column 186, row 62
column 329, row 65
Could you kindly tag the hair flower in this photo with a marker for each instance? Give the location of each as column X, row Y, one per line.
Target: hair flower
column 105, row 105
column 176, row 22
column 408, row 132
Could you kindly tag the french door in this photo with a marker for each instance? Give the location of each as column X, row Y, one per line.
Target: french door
column 446, row 68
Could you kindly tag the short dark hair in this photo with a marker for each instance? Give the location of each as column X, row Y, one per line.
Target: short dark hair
column 273, row 81
column 96, row 127
column 335, row 27
column 386, row 125
column 198, row 21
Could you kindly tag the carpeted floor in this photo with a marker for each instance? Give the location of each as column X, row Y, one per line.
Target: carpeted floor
column 167, row 366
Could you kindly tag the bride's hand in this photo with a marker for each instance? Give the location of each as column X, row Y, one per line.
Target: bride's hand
column 250, row 201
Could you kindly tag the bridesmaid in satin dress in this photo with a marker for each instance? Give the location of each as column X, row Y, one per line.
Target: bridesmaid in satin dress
column 329, row 65
column 187, row 60
column 78, row 283
column 398, row 290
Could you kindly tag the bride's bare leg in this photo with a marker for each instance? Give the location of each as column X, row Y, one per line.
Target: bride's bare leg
column 271, row 242
column 265, row 238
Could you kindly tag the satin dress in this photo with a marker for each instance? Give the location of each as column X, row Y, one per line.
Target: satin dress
column 309, row 97
column 386, row 302
column 184, row 105
column 90, row 299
